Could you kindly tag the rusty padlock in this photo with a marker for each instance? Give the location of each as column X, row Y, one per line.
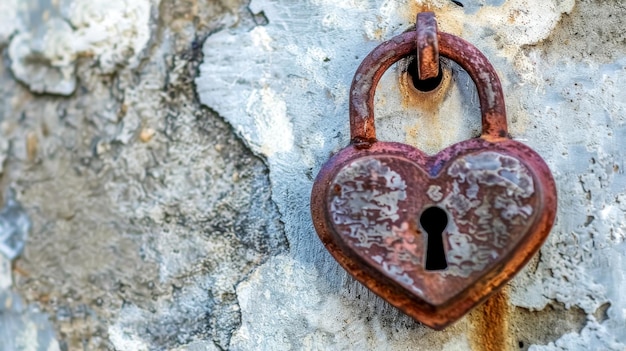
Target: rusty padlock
column 433, row 235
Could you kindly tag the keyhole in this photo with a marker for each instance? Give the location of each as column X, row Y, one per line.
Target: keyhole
column 434, row 221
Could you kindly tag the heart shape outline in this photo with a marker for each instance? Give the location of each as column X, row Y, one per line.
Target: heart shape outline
column 436, row 315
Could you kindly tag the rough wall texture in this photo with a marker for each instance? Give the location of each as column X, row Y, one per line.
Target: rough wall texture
column 164, row 152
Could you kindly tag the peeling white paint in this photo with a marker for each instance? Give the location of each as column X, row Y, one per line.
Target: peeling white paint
column 126, row 340
column 523, row 22
column 113, row 32
column 593, row 337
column 28, row 50
column 273, row 129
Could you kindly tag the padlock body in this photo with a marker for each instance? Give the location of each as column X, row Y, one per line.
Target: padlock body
column 368, row 207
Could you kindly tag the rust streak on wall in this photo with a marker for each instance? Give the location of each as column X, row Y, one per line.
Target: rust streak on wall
column 428, row 102
column 490, row 324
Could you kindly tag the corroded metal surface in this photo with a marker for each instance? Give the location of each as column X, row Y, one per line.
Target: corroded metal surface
column 369, row 200
column 427, row 46
column 362, row 130
column 488, row 196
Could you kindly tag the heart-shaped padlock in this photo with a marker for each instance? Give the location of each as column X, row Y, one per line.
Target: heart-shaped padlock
column 433, row 235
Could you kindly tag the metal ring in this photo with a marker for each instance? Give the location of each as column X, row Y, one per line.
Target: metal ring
column 362, row 128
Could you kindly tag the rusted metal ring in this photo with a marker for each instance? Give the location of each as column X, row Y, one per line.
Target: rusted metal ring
column 362, row 128
column 427, row 46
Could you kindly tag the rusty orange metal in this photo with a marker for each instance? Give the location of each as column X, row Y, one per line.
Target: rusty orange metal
column 433, row 235
column 427, row 45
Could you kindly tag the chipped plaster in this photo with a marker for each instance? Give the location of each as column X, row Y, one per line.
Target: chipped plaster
column 142, row 201
column 44, row 53
column 155, row 228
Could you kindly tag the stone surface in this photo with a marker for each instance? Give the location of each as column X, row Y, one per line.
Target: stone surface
column 165, row 151
column 137, row 242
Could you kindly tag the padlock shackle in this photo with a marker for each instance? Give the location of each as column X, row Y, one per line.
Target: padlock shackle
column 362, row 128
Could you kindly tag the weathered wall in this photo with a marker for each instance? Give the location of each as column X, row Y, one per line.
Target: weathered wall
column 164, row 152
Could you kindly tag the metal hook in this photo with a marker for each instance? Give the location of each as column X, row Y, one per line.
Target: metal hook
column 427, row 46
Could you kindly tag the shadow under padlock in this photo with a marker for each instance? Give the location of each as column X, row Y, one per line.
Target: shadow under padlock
column 483, row 206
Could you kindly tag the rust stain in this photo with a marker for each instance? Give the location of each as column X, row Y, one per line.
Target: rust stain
column 490, row 324
column 415, row 8
column 44, row 298
column 412, row 9
column 146, row 134
column 379, row 34
column 18, row 270
column 513, row 16
column 450, row 17
column 429, row 102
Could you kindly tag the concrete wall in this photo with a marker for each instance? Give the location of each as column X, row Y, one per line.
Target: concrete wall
column 157, row 160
